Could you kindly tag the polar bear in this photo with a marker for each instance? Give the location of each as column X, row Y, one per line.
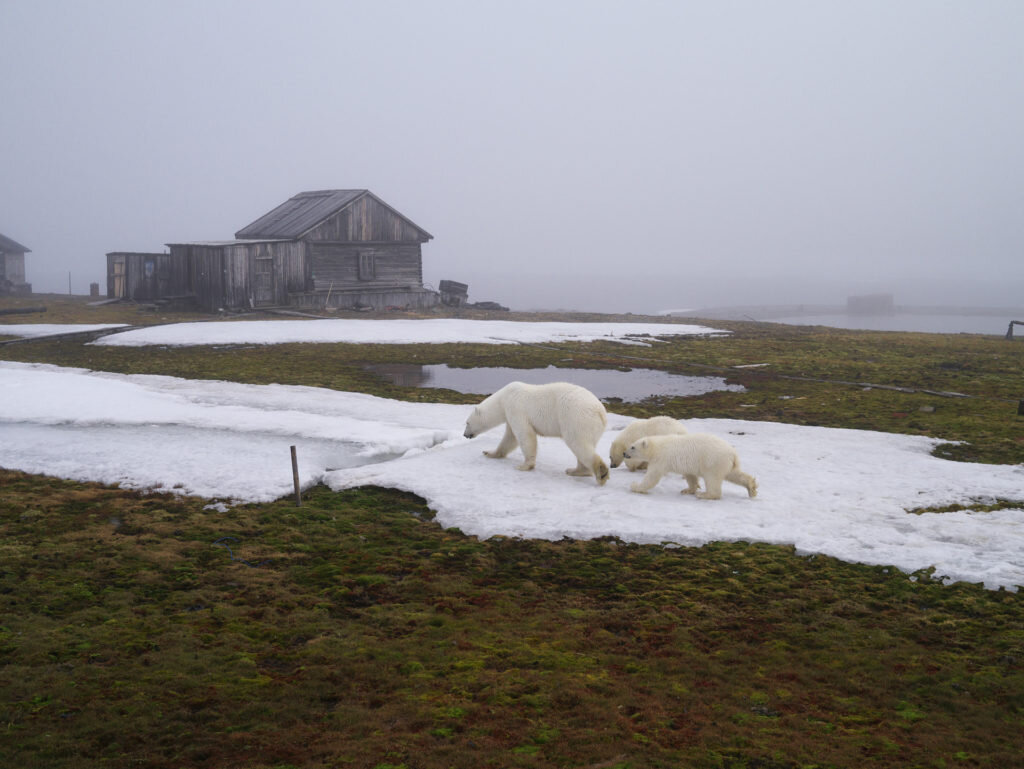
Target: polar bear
column 641, row 428
column 559, row 409
column 691, row 455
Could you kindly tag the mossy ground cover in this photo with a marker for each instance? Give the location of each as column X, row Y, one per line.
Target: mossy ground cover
column 355, row 631
column 60, row 308
column 148, row 630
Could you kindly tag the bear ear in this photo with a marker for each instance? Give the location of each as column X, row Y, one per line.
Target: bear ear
column 643, row 443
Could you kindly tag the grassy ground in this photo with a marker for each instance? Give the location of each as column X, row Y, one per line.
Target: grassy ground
column 355, row 632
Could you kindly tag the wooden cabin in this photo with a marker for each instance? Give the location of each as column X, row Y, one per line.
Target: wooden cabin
column 12, row 267
column 333, row 248
column 351, row 249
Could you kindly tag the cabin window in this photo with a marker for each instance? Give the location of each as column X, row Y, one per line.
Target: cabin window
column 367, row 268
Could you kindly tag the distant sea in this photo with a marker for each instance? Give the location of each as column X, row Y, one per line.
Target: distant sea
column 951, row 321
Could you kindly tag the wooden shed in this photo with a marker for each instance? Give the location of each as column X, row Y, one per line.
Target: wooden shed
column 352, row 249
column 12, row 267
column 241, row 274
column 453, row 293
column 144, row 276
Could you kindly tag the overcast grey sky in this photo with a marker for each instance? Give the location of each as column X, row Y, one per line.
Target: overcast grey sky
column 631, row 155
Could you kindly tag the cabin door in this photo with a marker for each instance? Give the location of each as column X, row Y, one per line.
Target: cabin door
column 118, row 277
column 263, row 280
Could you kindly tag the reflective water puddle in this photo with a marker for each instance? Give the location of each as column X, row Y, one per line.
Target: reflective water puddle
column 627, row 386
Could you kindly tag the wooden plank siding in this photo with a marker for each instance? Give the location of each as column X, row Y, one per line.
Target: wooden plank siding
column 205, row 268
column 240, row 275
column 335, row 266
column 372, row 296
column 144, row 276
column 12, row 268
column 366, row 220
column 264, row 274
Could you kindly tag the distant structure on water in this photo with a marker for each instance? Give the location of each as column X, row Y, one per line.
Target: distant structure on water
column 871, row 304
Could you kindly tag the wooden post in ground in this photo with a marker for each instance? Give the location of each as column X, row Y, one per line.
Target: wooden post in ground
column 295, row 478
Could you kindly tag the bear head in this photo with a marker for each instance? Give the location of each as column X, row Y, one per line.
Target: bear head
column 637, row 451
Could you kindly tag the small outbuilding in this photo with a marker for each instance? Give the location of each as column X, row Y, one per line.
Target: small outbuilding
column 144, row 276
column 453, row 293
column 12, row 267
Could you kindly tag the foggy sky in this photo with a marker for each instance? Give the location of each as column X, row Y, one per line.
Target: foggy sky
column 578, row 154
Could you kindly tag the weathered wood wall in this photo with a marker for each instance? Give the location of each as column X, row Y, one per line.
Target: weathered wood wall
column 336, row 266
column 240, row 275
column 204, row 267
column 379, row 298
column 12, row 267
column 261, row 274
column 145, row 276
column 367, row 220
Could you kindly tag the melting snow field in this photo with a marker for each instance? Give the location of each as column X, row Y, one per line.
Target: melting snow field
column 839, row 492
column 420, row 331
column 33, row 330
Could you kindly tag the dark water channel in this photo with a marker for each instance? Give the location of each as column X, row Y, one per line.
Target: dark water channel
column 627, row 386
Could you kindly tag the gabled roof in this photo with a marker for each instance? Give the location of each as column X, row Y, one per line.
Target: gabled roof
column 7, row 245
column 300, row 214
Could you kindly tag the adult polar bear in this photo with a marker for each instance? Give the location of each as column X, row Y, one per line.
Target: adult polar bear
column 559, row 409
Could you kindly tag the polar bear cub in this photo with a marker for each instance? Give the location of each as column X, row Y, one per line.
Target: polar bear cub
column 692, row 455
column 641, row 428
column 559, row 409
